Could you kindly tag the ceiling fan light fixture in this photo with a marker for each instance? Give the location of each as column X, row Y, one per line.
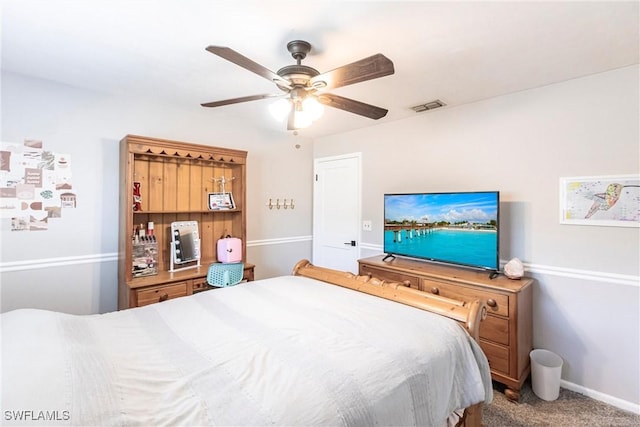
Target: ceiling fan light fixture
column 307, row 110
column 312, row 107
column 280, row 109
column 301, row 118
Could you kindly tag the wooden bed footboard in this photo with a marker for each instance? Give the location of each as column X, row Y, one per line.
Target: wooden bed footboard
column 468, row 314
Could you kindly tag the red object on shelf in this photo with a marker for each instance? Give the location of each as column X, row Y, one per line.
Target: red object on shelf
column 137, row 198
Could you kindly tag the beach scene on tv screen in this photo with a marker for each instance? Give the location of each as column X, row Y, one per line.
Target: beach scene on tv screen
column 460, row 228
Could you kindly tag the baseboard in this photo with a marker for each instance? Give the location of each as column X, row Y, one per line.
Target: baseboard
column 596, row 395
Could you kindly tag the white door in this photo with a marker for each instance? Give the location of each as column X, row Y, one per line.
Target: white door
column 336, row 212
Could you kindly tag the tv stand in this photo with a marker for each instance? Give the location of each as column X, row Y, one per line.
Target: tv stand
column 494, row 274
column 392, row 256
column 506, row 333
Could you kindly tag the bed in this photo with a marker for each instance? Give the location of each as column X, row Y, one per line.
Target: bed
column 292, row 350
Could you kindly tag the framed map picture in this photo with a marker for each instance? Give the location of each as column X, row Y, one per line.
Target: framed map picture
column 600, row 200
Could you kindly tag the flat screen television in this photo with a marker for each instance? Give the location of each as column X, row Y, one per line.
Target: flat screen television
column 459, row 228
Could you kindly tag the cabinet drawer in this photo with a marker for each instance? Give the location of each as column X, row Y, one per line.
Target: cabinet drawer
column 390, row 276
column 200, row 284
column 496, row 329
column 497, row 355
column 162, row 293
column 501, row 306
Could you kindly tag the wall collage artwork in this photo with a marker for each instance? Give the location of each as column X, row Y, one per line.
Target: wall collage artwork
column 35, row 185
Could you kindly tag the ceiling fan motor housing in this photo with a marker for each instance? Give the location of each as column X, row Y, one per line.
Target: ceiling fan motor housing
column 298, row 75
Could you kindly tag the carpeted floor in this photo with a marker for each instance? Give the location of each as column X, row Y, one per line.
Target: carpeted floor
column 571, row 409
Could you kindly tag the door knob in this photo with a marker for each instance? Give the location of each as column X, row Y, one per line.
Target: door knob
column 351, row 243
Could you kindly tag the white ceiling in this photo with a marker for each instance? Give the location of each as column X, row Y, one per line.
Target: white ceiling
column 458, row 52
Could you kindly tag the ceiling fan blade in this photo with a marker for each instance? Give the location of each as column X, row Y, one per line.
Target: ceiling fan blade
column 241, row 60
column 238, row 100
column 365, row 69
column 352, row 106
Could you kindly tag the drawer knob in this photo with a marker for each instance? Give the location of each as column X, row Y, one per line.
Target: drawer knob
column 164, row 297
column 435, row 291
column 492, row 303
column 407, row 283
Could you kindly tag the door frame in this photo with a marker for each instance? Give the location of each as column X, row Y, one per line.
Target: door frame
column 358, row 232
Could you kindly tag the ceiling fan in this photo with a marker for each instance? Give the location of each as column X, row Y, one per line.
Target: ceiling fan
column 304, row 86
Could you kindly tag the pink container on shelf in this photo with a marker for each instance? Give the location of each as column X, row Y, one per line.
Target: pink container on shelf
column 229, row 250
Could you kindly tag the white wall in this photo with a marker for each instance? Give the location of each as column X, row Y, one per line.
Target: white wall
column 72, row 266
column 587, row 293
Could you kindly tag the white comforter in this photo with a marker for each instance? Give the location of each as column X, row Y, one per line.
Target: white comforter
column 283, row 351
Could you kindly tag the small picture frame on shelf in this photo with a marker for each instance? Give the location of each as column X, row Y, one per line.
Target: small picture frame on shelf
column 221, row 201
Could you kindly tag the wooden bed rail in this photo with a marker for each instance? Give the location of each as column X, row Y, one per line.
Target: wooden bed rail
column 467, row 313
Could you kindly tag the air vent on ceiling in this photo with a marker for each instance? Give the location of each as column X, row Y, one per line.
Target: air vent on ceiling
column 428, row 106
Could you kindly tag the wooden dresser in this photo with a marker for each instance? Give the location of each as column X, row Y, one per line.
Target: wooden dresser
column 505, row 334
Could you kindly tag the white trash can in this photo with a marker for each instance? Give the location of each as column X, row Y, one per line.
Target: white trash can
column 546, row 368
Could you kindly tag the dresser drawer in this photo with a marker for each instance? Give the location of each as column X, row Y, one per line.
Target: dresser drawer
column 497, row 355
column 496, row 329
column 390, row 276
column 499, row 303
column 162, row 293
column 200, row 284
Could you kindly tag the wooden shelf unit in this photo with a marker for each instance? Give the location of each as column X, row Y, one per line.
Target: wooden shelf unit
column 175, row 180
column 506, row 335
